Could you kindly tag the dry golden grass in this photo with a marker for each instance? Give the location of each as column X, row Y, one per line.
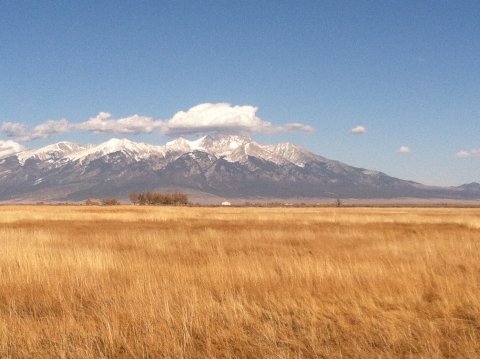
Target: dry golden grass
column 138, row 282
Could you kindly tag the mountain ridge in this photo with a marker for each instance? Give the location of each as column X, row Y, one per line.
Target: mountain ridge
column 232, row 166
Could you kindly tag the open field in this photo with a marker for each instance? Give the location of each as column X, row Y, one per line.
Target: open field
column 153, row 282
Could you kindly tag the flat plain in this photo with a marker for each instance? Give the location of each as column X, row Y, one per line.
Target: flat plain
column 180, row 282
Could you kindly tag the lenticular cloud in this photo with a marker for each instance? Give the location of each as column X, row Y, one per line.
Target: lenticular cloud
column 222, row 118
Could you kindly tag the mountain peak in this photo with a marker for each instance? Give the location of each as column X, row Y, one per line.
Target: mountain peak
column 234, row 148
column 116, row 144
column 49, row 153
column 137, row 150
column 294, row 153
column 473, row 186
column 237, row 139
column 203, row 142
column 177, row 141
column 118, row 141
column 232, row 142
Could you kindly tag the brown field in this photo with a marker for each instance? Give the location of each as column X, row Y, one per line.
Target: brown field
column 165, row 282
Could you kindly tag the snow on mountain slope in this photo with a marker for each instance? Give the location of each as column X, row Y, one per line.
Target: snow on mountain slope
column 135, row 150
column 237, row 149
column 217, row 147
column 225, row 145
column 178, row 145
column 50, row 153
column 232, row 148
column 294, row 154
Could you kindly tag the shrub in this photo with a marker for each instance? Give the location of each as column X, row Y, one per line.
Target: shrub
column 155, row 198
column 91, row 202
column 110, row 201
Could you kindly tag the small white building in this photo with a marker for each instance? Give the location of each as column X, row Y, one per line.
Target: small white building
column 226, row 203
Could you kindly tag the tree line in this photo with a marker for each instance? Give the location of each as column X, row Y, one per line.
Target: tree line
column 158, row 199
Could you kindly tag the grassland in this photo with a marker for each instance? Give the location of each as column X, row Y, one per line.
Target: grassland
column 154, row 282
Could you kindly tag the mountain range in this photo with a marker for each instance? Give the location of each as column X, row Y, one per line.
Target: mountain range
column 228, row 167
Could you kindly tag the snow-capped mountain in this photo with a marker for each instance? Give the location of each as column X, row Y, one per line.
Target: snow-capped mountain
column 50, row 153
column 232, row 148
column 135, row 151
column 294, row 153
column 232, row 166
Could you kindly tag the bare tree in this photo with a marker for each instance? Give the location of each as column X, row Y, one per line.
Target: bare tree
column 135, row 198
column 91, row 202
column 110, row 201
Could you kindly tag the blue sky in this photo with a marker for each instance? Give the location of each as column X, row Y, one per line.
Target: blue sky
column 406, row 74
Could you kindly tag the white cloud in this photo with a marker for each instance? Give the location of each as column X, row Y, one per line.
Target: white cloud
column 51, row 128
column 207, row 118
column 358, row 130
column 464, row 154
column 403, row 149
column 296, row 127
column 12, row 129
column 10, row 147
column 45, row 130
column 210, row 118
column 132, row 125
